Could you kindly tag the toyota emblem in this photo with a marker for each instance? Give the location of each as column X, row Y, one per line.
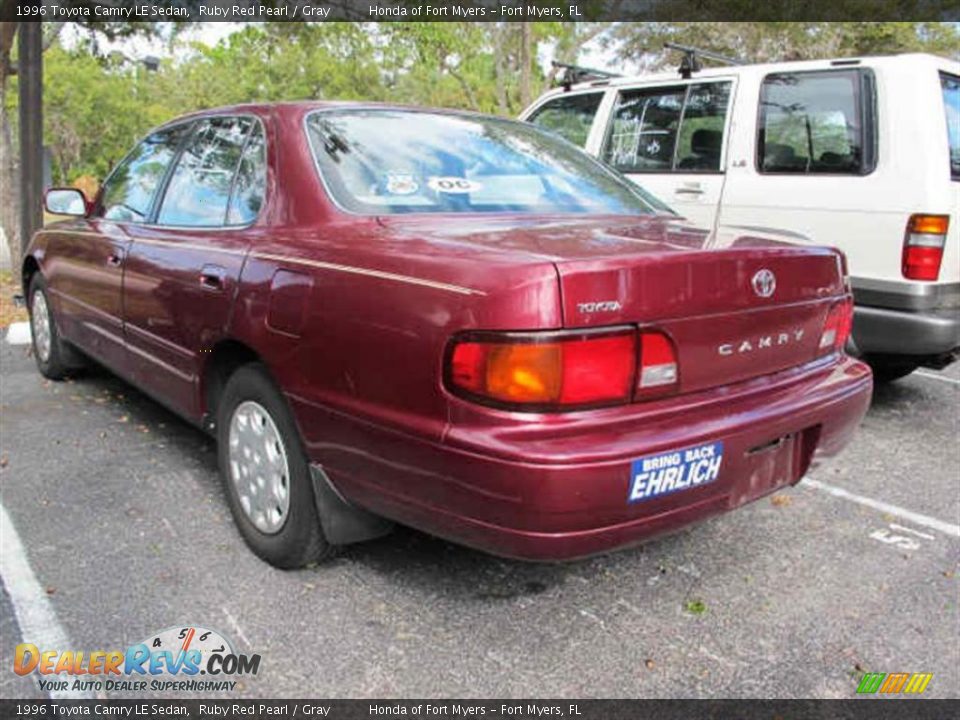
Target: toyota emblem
column 764, row 283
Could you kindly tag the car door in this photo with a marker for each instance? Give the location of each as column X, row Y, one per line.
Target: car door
column 91, row 254
column 183, row 267
column 670, row 139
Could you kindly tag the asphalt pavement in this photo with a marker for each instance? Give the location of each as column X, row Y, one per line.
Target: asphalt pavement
column 120, row 529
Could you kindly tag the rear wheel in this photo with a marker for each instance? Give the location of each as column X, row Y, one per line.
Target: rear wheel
column 266, row 472
column 55, row 357
column 888, row 368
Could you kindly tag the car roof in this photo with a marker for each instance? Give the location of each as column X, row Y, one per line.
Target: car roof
column 920, row 60
column 301, row 106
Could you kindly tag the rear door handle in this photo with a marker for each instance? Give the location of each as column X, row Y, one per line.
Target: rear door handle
column 689, row 191
column 213, row 277
column 115, row 259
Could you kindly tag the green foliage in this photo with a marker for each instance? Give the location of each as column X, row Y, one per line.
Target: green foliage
column 777, row 41
column 96, row 107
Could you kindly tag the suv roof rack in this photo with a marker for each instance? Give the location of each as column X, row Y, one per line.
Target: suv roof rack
column 573, row 74
column 691, row 58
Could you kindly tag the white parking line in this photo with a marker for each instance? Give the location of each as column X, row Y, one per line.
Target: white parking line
column 18, row 333
column 934, row 376
column 35, row 616
column 914, row 517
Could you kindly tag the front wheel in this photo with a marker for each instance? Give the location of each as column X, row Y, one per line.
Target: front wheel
column 55, row 358
column 266, row 473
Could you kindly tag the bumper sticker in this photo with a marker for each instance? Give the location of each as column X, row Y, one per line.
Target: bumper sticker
column 669, row 472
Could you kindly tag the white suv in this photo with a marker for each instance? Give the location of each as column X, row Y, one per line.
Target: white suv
column 861, row 154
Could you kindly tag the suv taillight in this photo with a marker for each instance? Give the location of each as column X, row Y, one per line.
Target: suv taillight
column 550, row 371
column 923, row 246
column 837, row 327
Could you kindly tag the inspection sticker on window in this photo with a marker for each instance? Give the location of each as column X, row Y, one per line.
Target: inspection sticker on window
column 453, row 184
column 669, row 472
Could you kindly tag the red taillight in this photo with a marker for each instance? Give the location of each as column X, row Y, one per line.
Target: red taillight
column 658, row 365
column 923, row 246
column 837, row 327
column 563, row 370
column 546, row 370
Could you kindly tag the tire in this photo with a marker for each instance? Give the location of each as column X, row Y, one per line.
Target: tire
column 55, row 357
column 258, row 445
column 889, row 368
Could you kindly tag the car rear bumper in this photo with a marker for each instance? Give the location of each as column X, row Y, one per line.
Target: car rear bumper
column 561, row 493
column 904, row 332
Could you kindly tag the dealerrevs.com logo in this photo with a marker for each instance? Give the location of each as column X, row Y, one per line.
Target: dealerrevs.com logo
column 178, row 659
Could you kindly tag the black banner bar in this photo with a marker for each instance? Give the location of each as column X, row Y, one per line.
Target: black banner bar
column 92, row 11
column 860, row 709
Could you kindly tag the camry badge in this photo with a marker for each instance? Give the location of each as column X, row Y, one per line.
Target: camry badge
column 764, row 283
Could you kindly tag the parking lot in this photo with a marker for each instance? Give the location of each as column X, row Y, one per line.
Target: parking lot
column 119, row 529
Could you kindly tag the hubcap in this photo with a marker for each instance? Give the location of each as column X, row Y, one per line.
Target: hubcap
column 40, row 322
column 258, row 467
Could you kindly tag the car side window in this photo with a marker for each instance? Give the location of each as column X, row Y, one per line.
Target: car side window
column 813, row 123
column 644, row 131
column 569, row 116
column 950, row 85
column 674, row 129
column 700, row 142
column 199, row 189
column 129, row 192
column 249, row 186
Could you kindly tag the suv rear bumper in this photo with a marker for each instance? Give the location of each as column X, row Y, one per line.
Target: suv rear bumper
column 902, row 332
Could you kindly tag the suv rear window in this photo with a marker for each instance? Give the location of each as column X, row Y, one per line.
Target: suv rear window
column 950, row 84
column 815, row 122
column 569, row 116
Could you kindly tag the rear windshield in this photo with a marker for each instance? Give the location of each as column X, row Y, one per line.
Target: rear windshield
column 385, row 161
column 951, row 106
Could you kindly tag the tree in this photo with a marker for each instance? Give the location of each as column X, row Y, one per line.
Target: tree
column 777, row 41
column 9, row 186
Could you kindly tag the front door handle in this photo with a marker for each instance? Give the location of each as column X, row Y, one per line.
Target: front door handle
column 689, row 191
column 115, row 259
column 213, row 277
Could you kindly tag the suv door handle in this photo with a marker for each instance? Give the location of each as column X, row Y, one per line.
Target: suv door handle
column 213, row 277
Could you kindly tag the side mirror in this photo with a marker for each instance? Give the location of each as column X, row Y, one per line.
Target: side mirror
column 65, row 201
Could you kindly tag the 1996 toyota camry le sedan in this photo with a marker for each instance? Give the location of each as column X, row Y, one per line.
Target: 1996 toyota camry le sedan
column 448, row 320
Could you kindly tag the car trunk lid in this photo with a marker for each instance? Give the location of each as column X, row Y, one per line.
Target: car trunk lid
column 733, row 313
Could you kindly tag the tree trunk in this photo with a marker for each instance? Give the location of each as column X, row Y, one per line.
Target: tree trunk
column 9, row 187
column 526, row 63
column 499, row 71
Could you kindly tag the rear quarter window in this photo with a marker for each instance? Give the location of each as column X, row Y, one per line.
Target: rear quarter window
column 816, row 123
column 950, row 85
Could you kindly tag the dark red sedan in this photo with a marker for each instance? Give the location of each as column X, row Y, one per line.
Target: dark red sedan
column 453, row 321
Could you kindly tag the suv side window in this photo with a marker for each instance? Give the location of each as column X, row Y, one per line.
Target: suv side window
column 249, row 186
column 569, row 116
column 950, row 85
column 675, row 129
column 815, row 122
column 199, row 189
column 129, row 191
